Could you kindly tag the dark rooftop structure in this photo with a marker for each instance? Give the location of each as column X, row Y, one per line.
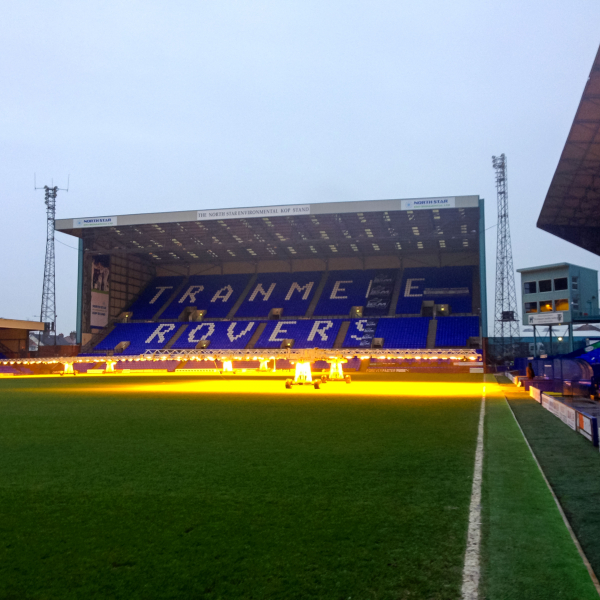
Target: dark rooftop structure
column 571, row 209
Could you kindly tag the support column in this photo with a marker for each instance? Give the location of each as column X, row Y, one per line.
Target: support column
column 571, row 345
column 79, row 318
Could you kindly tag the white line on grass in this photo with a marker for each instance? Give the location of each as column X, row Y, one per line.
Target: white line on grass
column 470, row 581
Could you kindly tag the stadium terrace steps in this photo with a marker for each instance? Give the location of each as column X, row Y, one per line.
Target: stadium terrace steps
column 238, row 306
column 371, row 289
column 290, row 292
column 142, row 336
column 447, row 285
column 242, row 297
column 256, row 336
column 404, row 333
column 431, row 334
column 455, row 331
column 154, row 297
column 319, row 291
column 317, row 333
column 360, row 333
column 177, row 335
column 98, row 338
column 216, row 294
column 396, row 293
column 230, row 335
column 172, row 297
column 341, row 336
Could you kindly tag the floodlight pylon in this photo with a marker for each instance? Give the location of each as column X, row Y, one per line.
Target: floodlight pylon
column 48, row 311
column 506, row 325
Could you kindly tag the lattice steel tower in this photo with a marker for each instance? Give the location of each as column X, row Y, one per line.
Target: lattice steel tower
column 48, row 312
column 506, row 325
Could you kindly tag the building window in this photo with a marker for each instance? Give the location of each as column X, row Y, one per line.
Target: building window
column 562, row 304
column 530, row 287
column 562, row 283
column 575, row 303
column 574, row 283
column 546, row 306
column 546, row 285
column 531, row 307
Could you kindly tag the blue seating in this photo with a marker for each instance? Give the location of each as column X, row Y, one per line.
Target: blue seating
column 142, row 336
column 317, row 333
column 455, row 331
column 360, row 333
column 153, row 298
column 345, row 289
column 410, row 332
column 447, row 285
column 2, row 356
column 290, row 291
column 214, row 293
column 222, row 334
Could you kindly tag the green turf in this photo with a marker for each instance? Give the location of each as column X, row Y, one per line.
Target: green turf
column 571, row 464
column 167, row 496
column 528, row 553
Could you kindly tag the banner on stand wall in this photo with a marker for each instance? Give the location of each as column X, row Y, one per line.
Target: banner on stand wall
column 100, row 290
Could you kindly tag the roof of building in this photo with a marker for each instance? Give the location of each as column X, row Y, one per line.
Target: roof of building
column 571, row 209
column 362, row 228
column 19, row 324
column 561, row 265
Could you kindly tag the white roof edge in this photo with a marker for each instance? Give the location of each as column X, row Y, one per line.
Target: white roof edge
column 553, row 266
column 322, row 208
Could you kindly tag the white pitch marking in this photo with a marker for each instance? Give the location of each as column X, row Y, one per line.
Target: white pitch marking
column 471, row 570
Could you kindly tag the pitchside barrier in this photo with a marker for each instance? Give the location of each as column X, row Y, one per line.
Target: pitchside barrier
column 573, row 416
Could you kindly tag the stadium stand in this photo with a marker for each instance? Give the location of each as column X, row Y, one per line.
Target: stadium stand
column 447, row 285
column 455, row 331
column 3, row 356
column 403, row 333
column 154, row 297
column 290, row 291
column 345, row 289
column 360, row 334
column 214, row 293
column 141, row 336
column 222, row 334
column 318, row 333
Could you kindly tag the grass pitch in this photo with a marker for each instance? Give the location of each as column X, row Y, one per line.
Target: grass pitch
column 178, row 487
column 138, row 492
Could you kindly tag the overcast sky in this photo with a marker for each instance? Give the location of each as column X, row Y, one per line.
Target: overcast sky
column 153, row 106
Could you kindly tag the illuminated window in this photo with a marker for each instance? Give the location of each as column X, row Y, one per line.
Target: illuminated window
column 530, row 287
column 561, row 283
column 546, row 285
column 562, row 304
column 546, row 306
column 531, row 307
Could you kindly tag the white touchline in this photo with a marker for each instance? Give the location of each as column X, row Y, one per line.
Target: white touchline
column 470, row 581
